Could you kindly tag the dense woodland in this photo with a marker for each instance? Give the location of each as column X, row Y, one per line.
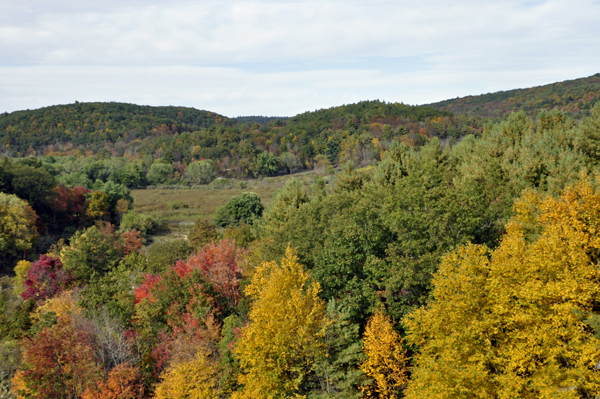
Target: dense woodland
column 445, row 266
column 576, row 97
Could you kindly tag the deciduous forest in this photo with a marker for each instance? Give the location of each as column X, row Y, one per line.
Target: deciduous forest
column 435, row 251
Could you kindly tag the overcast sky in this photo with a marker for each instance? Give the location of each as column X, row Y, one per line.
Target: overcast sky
column 281, row 58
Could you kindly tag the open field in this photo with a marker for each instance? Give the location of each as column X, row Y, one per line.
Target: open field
column 176, row 209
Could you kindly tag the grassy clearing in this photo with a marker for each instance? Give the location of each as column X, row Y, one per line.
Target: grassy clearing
column 177, row 209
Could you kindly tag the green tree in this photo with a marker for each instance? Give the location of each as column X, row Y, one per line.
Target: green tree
column 132, row 175
column 112, row 293
column 202, row 233
column 244, row 208
column 290, row 161
column 265, row 164
column 96, row 250
column 159, row 173
column 164, row 254
column 284, row 205
column 200, row 172
column 35, row 186
column 589, row 142
column 338, row 373
column 10, row 358
column 135, row 221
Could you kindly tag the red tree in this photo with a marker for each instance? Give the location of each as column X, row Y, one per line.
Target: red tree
column 46, row 278
column 218, row 263
column 70, row 202
column 57, row 363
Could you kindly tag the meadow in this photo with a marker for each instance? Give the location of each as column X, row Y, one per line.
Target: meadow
column 176, row 208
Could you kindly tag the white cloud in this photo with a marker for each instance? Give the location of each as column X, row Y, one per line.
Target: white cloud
column 283, row 57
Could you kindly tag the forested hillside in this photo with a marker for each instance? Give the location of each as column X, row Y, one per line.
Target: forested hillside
column 576, row 97
column 86, row 125
column 179, row 136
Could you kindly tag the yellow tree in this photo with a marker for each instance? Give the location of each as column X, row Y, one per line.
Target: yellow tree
column 521, row 321
column 18, row 232
column 195, row 378
column 385, row 359
column 21, row 270
column 284, row 338
column 99, row 206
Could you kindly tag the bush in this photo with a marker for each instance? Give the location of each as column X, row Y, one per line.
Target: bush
column 177, row 205
column 242, row 234
column 221, row 184
column 240, row 209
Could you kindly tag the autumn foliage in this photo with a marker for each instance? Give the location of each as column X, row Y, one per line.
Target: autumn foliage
column 386, row 361
column 219, row 264
column 284, row 338
column 70, row 202
column 194, row 378
column 519, row 321
column 57, row 363
column 123, row 382
column 46, row 277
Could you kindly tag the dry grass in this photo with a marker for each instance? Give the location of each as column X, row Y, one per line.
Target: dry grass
column 176, row 209
column 187, row 205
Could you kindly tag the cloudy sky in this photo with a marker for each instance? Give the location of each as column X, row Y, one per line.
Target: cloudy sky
column 286, row 57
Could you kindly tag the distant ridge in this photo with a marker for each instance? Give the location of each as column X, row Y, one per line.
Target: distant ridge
column 259, row 119
column 576, row 96
column 83, row 124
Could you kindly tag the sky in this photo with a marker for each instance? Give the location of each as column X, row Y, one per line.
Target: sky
column 281, row 58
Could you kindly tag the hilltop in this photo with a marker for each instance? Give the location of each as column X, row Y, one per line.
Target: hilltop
column 572, row 96
column 86, row 124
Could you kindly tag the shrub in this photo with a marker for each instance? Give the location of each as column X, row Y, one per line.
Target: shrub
column 177, row 205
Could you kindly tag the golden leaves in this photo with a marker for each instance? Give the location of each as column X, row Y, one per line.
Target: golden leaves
column 518, row 322
column 386, row 359
column 284, row 338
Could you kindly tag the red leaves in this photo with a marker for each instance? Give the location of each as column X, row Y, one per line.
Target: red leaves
column 145, row 289
column 218, row 263
column 57, row 363
column 46, row 278
column 71, row 201
column 182, row 269
column 132, row 241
